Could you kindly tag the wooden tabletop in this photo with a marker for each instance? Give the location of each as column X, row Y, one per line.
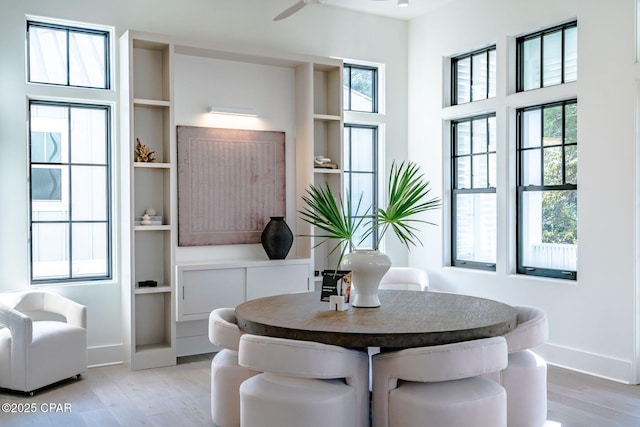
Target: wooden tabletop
column 405, row 319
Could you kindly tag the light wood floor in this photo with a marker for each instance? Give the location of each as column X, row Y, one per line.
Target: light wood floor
column 179, row 396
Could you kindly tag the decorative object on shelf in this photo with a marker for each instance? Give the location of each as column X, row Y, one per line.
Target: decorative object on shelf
column 143, row 154
column 323, row 163
column 151, row 220
column 150, row 211
column 337, row 221
column 276, row 238
column 243, row 172
column 147, row 284
column 146, row 219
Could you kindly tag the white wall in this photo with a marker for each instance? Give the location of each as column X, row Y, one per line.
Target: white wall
column 592, row 321
column 317, row 30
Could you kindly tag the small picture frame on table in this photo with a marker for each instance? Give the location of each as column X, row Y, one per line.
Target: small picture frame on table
column 336, row 289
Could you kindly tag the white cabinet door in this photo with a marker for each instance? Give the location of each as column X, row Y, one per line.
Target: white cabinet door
column 275, row 280
column 202, row 291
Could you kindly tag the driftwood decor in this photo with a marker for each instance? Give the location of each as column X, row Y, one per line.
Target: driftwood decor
column 143, row 153
column 230, row 182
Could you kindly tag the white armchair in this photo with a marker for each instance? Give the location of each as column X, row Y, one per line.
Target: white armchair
column 405, row 278
column 36, row 353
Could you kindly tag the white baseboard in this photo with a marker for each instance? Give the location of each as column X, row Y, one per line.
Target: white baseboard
column 588, row 363
column 105, row 355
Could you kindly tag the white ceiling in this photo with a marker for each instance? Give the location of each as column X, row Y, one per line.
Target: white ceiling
column 387, row 8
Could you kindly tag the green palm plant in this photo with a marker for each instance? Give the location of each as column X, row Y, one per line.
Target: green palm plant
column 408, row 194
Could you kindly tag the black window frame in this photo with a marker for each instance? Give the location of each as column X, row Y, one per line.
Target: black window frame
column 374, row 87
column 348, row 174
column 520, row 55
column 71, row 29
column 521, row 189
column 109, row 195
column 456, row 190
column 454, row 74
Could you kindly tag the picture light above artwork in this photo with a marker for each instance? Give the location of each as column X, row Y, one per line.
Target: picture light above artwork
column 233, row 111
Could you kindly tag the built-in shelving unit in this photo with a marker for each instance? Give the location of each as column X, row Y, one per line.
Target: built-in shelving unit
column 187, row 291
column 328, row 128
column 149, row 327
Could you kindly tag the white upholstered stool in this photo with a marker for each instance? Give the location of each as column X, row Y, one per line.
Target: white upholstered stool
column 304, row 384
column 226, row 374
column 525, row 377
column 440, row 386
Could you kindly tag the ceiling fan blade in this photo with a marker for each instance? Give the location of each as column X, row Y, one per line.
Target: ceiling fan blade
column 290, row 11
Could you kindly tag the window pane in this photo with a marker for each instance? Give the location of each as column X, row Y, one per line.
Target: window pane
column 571, row 123
column 531, row 64
column 47, row 55
column 548, row 57
column 360, row 174
column 362, row 145
column 491, row 121
column 479, row 83
column 89, row 135
column 552, row 60
column 571, row 164
column 553, row 166
column 362, row 89
column 463, row 138
column 550, row 229
column 463, row 78
column 87, row 63
column 50, row 251
column 88, row 203
column 46, row 147
column 480, row 171
column 63, row 192
column 362, row 185
column 492, row 73
column 346, row 87
column 571, row 54
column 463, row 172
column 358, row 241
column 480, row 135
column 90, row 250
column 531, row 167
column 49, row 134
column 552, row 126
column 347, row 148
column 475, row 219
column 531, row 125
column 46, row 184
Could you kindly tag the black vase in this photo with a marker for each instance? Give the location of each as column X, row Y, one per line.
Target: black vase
column 276, row 238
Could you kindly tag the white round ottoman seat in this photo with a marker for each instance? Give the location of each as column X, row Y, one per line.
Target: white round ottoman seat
column 440, row 386
column 303, row 384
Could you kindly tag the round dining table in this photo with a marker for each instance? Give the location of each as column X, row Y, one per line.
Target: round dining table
column 404, row 319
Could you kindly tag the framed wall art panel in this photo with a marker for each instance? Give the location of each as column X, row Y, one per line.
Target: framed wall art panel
column 230, row 182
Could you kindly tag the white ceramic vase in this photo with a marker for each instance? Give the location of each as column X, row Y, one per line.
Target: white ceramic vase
column 367, row 268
